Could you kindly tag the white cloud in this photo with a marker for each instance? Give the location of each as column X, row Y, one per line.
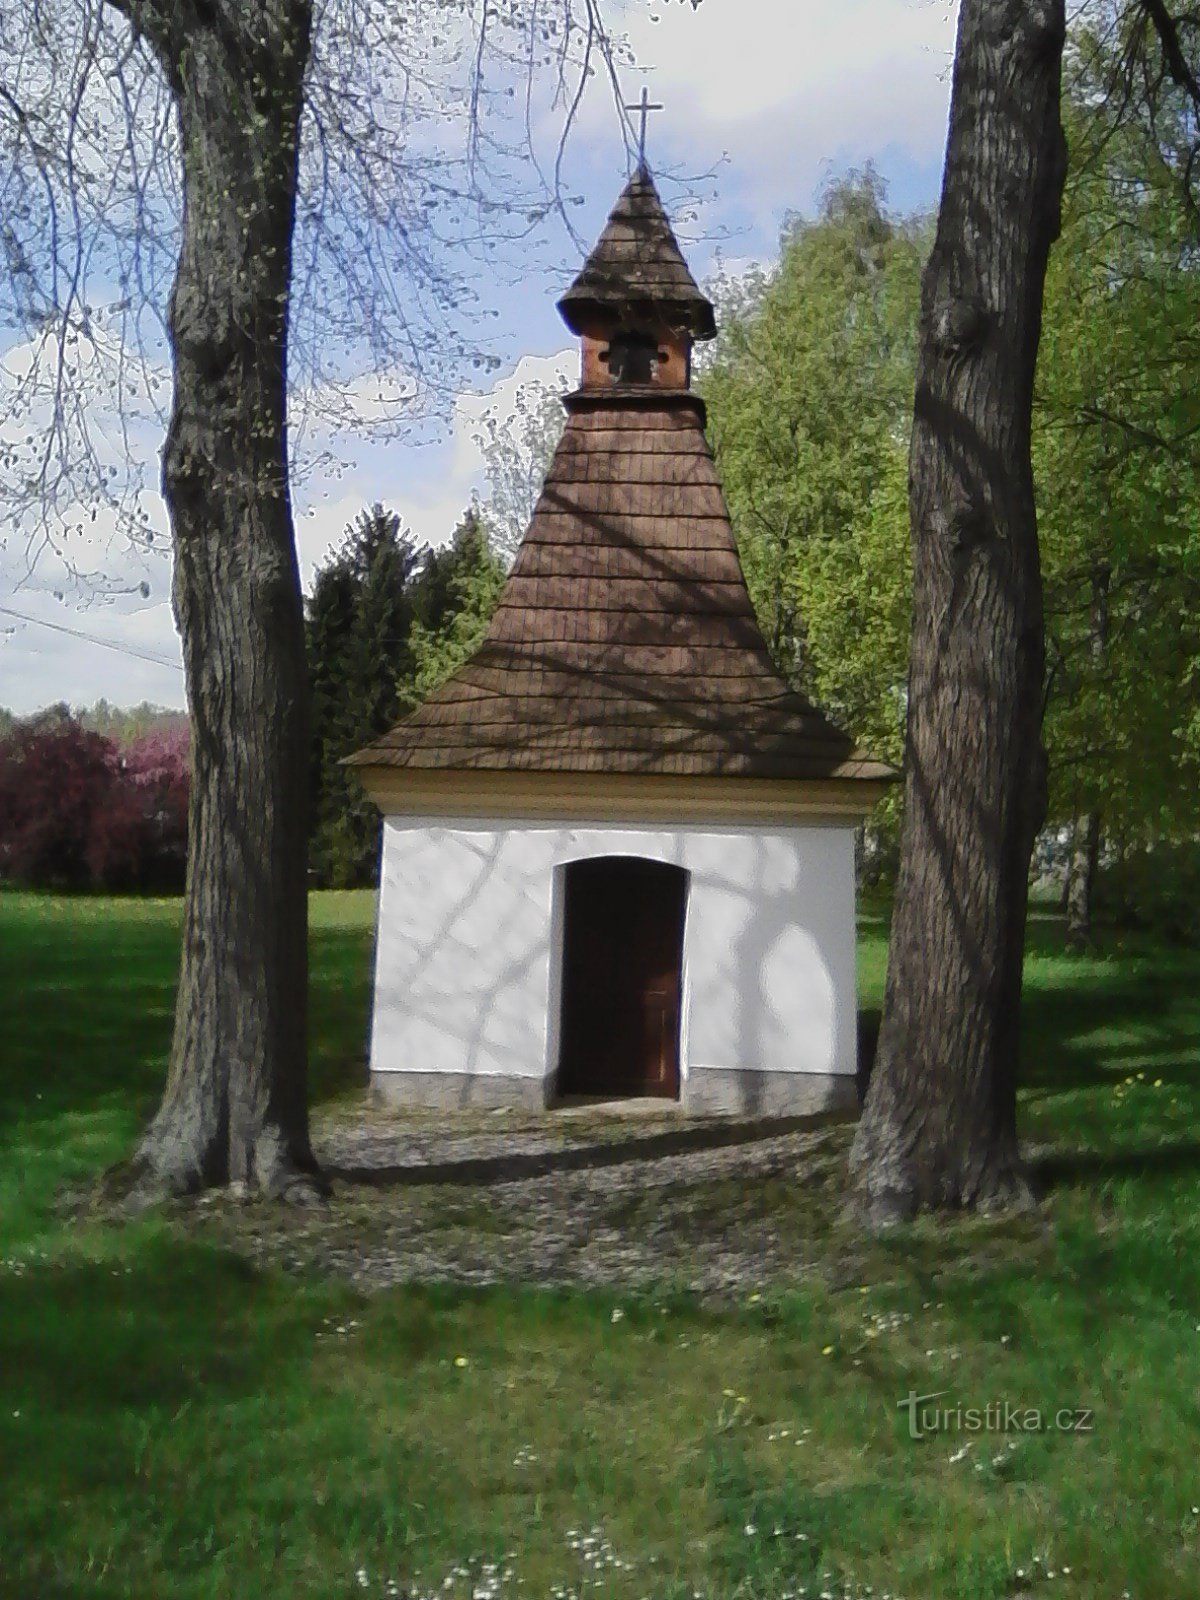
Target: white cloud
column 432, row 499
column 776, row 93
column 130, row 653
column 729, row 63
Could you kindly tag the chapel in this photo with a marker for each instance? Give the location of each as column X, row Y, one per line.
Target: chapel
column 618, row 849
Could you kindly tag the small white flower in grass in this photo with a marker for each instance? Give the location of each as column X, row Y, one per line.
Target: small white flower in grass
column 617, row 1314
column 363, row 1579
column 751, row 1530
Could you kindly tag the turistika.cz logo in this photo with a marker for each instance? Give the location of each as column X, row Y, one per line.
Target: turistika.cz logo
column 997, row 1416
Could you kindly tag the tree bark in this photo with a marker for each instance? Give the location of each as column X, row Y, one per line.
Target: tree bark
column 939, row 1126
column 1085, row 858
column 235, row 1104
column 1085, row 843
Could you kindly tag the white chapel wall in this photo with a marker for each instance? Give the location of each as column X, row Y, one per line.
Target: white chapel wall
column 470, row 931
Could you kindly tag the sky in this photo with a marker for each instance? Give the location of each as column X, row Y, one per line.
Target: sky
column 763, row 99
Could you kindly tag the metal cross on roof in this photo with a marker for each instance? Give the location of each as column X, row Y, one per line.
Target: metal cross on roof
column 644, row 105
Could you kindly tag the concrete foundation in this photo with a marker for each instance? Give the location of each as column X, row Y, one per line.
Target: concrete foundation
column 707, row 1091
column 728, row 1092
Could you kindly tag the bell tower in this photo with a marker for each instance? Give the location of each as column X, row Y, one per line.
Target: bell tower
column 635, row 304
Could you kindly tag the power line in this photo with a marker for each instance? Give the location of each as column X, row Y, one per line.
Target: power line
column 91, row 638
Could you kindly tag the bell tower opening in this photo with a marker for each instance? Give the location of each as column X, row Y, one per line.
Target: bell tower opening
column 633, row 358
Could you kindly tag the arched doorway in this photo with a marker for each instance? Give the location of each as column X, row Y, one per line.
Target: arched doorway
column 622, row 971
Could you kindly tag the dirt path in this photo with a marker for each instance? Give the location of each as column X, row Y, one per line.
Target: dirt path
column 584, row 1197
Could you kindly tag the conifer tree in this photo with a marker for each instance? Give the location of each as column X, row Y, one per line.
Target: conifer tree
column 454, row 597
column 358, row 626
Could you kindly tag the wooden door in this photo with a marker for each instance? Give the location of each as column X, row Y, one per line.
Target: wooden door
column 622, row 972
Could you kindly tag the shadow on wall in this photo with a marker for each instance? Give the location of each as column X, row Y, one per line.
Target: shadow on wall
column 784, row 979
column 469, row 974
column 477, row 947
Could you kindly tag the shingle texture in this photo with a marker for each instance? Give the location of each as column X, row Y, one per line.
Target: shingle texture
column 637, row 265
column 624, row 641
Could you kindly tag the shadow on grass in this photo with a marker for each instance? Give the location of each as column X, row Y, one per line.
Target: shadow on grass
column 1099, row 1022
column 339, row 1010
column 97, row 1359
column 105, row 1337
column 57, row 1588
column 159, row 1410
column 87, row 995
column 1067, row 1168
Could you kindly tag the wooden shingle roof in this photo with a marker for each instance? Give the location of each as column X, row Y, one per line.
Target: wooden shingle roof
column 624, row 641
column 637, row 265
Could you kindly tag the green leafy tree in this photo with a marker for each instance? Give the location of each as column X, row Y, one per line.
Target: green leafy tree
column 358, row 625
column 1116, row 450
column 810, row 389
column 126, row 725
column 1117, row 461
column 454, row 597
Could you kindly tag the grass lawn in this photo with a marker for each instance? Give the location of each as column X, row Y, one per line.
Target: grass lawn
column 174, row 1423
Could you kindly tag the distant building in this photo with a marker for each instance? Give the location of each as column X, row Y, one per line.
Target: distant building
column 618, row 851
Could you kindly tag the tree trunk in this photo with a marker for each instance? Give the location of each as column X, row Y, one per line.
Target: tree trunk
column 939, row 1127
column 1085, row 844
column 1085, row 857
column 235, row 1105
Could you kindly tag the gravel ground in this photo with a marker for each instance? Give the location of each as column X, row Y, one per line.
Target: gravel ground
column 573, row 1196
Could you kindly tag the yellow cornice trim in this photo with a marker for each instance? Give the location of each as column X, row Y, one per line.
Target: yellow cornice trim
column 617, row 797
